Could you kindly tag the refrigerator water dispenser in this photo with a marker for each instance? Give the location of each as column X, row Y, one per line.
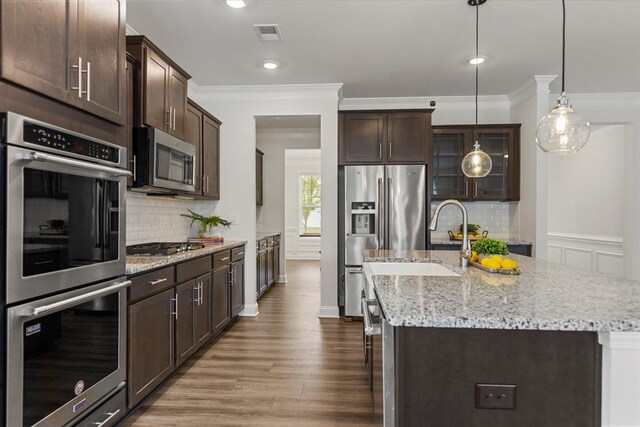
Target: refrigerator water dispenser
column 363, row 218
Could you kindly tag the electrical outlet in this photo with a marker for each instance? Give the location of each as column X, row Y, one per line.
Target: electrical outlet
column 234, row 218
column 495, row 396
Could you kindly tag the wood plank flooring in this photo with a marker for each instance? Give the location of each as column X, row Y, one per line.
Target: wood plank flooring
column 284, row 367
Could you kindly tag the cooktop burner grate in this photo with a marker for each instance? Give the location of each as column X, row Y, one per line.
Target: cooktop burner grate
column 162, row 248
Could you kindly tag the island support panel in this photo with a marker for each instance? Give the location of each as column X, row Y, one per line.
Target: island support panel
column 557, row 376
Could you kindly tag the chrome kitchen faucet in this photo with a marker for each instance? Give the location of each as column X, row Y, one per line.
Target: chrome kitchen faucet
column 465, row 251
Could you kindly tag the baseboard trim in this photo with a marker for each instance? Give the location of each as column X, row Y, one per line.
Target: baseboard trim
column 329, row 312
column 282, row 279
column 250, row 310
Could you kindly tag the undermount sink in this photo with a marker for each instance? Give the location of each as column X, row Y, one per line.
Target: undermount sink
column 409, row 269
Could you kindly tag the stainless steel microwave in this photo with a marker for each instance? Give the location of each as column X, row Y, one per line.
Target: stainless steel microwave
column 163, row 163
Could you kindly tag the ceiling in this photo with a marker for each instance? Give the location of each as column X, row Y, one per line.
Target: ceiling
column 397, row 48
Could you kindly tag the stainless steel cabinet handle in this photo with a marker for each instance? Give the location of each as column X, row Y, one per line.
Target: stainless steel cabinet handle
column 390, row 156
column 201, row 293
column 175, row 313
column 79, row 68
column 61, row 305
column 155, row 282
column 43, row 262
column 355, row 272
column 88, row 81
column 240, row 253
column 379, row 216
column 174, row 118
column 224, row 259
column 168, row 123
column 111, row 415
column 370, row 328
column 380, row 150
column 41, row 157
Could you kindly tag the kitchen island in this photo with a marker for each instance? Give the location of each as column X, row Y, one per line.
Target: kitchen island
column 567, row 339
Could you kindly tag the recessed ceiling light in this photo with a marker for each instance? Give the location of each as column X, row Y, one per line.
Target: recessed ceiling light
column 270, row 65
column 476, row 60
column 236, row 4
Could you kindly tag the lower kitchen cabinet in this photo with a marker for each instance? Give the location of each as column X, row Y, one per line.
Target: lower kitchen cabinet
column 203, row 325
column 185, row 301
column 220, row 298
column 237, row 287
column 151, row 344
column 270, row 264
column 276, row 261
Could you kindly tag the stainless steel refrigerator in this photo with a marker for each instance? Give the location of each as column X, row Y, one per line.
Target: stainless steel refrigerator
column 385, row 208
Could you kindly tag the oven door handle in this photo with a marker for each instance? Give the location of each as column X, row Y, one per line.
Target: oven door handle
column 47, row 158
column 61, row 305
column 370, row 327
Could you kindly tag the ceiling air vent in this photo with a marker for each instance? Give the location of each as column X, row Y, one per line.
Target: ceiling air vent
column 268, row 32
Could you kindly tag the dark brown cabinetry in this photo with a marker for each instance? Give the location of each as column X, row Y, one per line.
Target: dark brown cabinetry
column 220, row 297
column 259, row 185
column 450, row 145
column 237, row 281
column 276, row 259
column 132, row 69
column 270, row 259
column 203, row 327
column 185, row 302
column 150, row 344
column 203, row 131
column 71, row 51
column 261, row 273
column 267, row 263
column 162, row 101
column 384, row 137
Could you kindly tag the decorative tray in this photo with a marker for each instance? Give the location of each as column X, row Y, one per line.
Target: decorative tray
column 506, row 271
column 475, row 237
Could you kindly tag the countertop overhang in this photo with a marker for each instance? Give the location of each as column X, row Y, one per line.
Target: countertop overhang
column 545, row 296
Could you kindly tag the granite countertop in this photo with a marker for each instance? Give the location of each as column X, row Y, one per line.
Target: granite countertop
column 140, row 264
column 459, row 242
column 264, row 234
column 546, row 296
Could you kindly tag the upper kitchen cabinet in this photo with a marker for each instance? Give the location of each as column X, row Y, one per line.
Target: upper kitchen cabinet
column 162, row 99
column 384, row 137
column 203, row 130
column 451, row 143
column 72, row 51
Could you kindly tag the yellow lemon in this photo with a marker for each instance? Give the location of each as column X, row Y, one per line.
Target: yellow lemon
column 474, row 256
column 509, row 263
column 490, row 263
column 497, row 258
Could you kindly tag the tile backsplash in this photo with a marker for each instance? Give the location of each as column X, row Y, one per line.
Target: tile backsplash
column 156, row 219
column 502, row 219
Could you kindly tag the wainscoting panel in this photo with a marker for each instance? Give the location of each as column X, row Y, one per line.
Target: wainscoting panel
column 300, row 247
column 602, row 254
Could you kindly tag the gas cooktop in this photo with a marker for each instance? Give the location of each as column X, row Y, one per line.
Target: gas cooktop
column 162, row 248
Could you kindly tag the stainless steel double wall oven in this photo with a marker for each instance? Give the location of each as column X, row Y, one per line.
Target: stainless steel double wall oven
column 64, row 265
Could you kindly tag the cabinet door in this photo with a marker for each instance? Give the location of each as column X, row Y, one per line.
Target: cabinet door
column 237, row 288
column 177, row 103
column 156, row 102
column 262, row 272
column 496, row 185
column 259, row 189
column 363, row 138
column 276, row 263
column 270, row 266
column 193, row 135
column 449, row 148
column 151, row 344
column 36, row 52
column 203, row 311
column 102, row 46
column 186, row 300
column 130, row 77
column 220, row 299
column 407, row 137
column 211, row 156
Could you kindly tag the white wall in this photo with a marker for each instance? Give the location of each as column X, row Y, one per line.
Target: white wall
column 237, row 107
column 298, row 162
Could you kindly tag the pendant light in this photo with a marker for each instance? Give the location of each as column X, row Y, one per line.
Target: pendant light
column 562, row 131
column 477, row 163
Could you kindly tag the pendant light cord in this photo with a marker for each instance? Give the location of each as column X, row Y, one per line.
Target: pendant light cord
column 477, row 21
column 564, row 23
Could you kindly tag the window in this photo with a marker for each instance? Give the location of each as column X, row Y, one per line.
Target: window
column 310, row 205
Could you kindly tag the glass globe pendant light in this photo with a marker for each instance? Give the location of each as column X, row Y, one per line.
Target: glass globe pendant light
column 562, row 131
column 477, row 163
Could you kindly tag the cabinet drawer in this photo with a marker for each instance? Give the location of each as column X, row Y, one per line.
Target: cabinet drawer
column 150, row 283
column 192, row 269
column 262, row 245
column 108, row 413
column 270, row 242
column 221, row 259
column 237, row 254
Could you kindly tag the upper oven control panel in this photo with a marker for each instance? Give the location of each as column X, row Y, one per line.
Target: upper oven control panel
column 51, row 138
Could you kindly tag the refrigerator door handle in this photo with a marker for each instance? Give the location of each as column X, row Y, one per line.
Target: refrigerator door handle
column 389, row 211
column 380, row 241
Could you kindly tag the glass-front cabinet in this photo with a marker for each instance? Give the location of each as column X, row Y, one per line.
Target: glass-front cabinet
column 451, row 143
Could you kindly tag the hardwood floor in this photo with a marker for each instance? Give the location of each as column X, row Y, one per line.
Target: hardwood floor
column 283, row 367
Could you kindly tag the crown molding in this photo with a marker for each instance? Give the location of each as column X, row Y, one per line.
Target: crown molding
column 265, row 92
column 535, row 85
column 485, row 102
column 130, row 31
column 612, row 100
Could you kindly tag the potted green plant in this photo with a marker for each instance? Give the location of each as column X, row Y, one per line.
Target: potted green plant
column 207, row 223
column 489, row 247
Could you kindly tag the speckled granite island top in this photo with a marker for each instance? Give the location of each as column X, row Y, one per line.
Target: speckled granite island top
column 546, row 296
column 141, row 264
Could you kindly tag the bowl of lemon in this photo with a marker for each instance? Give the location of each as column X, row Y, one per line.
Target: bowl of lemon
column 493, row 256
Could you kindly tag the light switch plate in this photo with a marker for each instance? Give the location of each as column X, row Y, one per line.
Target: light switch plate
column 495, row 396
